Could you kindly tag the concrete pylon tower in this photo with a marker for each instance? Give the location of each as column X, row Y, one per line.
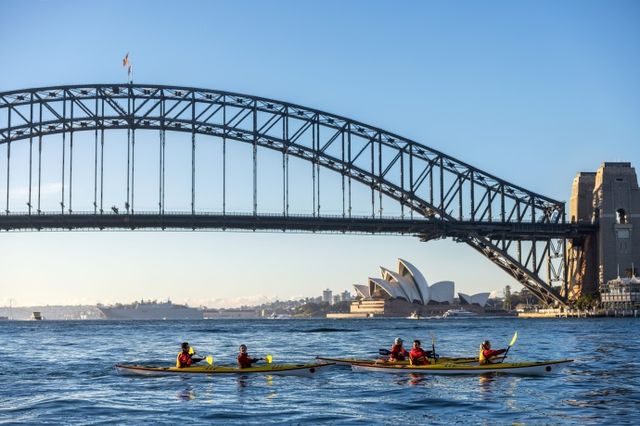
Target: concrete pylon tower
column 582, row 251
column 609, row 198
column 616, row 200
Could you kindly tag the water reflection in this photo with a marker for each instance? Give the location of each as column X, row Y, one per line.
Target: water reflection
column 243, row 382
column 413, row 380
column 486, row 384
column 416, row 379
column 187, row 394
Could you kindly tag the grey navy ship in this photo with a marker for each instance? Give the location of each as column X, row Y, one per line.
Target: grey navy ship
column 150, row 310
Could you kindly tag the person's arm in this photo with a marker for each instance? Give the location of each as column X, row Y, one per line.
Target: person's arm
column 493, row 353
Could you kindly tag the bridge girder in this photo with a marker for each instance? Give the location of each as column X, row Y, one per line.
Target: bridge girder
column 457, row 199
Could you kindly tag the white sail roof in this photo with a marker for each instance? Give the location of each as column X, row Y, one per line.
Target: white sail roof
column 392, row 289
column 442, row 291
column 413, row 274
column 479, row 298
column 362, row 290
column 408, row 286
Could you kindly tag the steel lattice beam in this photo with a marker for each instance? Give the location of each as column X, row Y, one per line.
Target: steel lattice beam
column 456, row 199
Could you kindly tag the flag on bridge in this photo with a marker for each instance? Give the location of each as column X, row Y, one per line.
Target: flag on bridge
column 127, row 63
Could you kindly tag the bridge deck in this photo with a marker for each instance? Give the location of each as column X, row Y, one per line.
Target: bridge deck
column 426, row 228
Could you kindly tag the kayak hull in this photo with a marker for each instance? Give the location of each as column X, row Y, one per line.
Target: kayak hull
column 538, row 368
column 304, row 370
column 351, row 361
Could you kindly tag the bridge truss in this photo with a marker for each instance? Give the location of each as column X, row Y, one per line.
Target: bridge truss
column 522, row 232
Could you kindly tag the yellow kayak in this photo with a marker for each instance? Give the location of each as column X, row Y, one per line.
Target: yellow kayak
column 533, row 368
column 351, row 361
column 306, row 370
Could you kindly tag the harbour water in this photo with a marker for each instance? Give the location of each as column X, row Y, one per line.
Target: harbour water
column 61, row 372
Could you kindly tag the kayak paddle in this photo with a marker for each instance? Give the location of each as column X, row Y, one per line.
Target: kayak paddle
column 513, row 342
column 433, row 348
column 268, row 358
column 209, row 359
column 384, row 352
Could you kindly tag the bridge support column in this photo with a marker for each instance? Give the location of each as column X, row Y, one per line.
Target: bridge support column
column 610, row 198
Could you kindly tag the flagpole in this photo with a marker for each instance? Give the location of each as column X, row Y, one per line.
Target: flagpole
column 126, row 64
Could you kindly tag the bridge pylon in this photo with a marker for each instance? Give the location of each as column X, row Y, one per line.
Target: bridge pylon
column 610, row 199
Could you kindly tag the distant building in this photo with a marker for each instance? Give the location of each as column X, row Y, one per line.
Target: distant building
column 336, row 299
column 327, row 296
column 345, row 296
column 407, row 284
column 621, row 293
column 401, row 293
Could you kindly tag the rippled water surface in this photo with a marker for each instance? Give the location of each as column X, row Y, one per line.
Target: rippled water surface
column 62, row 372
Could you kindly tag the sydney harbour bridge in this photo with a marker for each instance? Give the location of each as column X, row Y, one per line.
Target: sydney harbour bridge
column 106, row 156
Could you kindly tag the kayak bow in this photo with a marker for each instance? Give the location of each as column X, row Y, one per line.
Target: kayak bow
column 306, row 370
column 534, row 368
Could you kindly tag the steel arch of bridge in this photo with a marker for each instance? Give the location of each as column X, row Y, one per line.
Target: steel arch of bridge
column 522, row 232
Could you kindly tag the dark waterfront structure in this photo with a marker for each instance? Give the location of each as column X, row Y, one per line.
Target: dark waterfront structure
column 610, row 199
column 66, row 130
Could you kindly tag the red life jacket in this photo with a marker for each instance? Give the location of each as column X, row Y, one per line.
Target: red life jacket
column 418, row 356
column 183, row 360
column 398, row 353
column 245, row 361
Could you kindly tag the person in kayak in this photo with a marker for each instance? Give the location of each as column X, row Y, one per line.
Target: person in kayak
column 488, row 355
column 244, row 360
column 398, row 353
column 418, row 356
column 186, row 357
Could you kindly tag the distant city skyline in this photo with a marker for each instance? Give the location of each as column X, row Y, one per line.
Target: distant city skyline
column 531, row 92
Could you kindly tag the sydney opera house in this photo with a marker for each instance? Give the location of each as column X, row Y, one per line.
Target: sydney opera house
column 406, row 291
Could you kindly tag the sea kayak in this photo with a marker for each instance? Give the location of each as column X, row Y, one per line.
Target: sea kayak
column 534, row 368
column 306, row 370
column 382, row 361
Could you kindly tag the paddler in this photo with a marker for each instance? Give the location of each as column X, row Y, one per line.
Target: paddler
column 488, row 355
column 186, row 357
column 417, row 355
column 244, row 360
column 398, row 353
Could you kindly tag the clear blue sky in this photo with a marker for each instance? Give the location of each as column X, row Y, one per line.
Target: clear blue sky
column 531, row 91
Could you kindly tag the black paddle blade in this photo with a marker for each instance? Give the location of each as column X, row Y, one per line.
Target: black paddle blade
column 384, row 351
